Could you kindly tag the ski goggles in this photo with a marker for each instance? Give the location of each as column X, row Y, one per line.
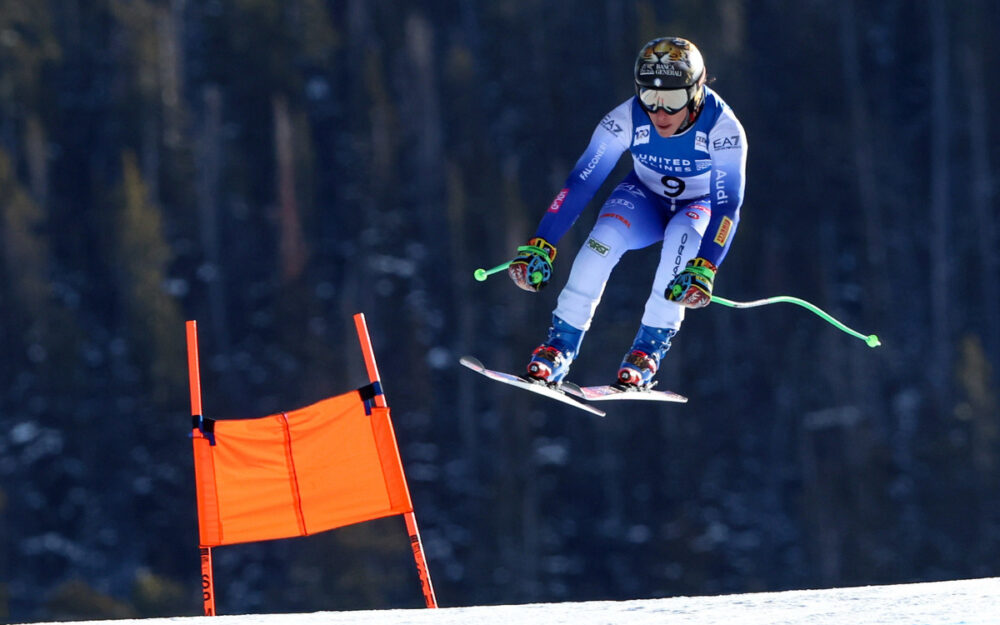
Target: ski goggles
column 670, row 100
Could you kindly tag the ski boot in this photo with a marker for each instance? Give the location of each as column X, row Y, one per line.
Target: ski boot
column 643, row 359
column 551, row 360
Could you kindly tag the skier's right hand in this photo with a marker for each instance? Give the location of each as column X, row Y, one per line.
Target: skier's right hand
column 532, row 269
column 693, row 286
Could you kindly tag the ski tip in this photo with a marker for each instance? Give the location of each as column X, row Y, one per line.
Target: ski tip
column 471, row 362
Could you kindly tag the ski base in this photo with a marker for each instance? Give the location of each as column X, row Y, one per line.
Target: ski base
column 610, row 391
column 560, row 393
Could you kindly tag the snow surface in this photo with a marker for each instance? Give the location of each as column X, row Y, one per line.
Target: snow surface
column 965, row 602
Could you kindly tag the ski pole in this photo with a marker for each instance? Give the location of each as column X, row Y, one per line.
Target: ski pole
column 871, row 340
column 482, row 274
column 536, row 277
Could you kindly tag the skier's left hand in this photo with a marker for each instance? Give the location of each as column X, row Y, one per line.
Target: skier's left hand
column 693, row 286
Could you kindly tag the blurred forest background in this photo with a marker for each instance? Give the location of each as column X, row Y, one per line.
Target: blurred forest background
column 271, row 167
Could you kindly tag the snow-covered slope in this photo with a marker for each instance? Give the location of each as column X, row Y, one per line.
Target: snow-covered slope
column 964, row 602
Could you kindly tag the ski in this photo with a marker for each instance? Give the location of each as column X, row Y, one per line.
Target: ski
column 563, row 392
column 612, row 391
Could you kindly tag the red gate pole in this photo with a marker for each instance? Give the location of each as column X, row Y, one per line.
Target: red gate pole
column 194, row 380
column 411, row 520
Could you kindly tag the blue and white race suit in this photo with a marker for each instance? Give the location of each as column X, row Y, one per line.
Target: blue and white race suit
column 685, row 190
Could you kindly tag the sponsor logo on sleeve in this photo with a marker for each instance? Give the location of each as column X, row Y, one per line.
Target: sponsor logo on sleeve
column 721, row 197
column 557, row 202
column 726, row 143
column 598, row 247
column 641, row 135
column 722, row 234
column 601, row 149
column 701, row 141
column 612, row 126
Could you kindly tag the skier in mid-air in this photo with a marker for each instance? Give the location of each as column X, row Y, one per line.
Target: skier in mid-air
column 685, row 189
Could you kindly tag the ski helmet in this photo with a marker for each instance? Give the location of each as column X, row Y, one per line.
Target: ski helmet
column 669, row 74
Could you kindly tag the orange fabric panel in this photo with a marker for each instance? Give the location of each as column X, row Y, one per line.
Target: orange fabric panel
column 392, row 465
column 209, row 529
column 306, row 471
